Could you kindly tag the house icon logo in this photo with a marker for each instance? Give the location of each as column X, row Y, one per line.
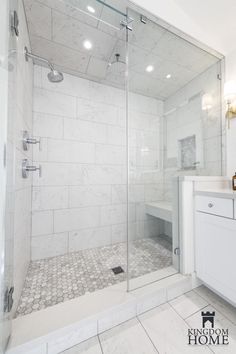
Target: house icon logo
column 208, row 316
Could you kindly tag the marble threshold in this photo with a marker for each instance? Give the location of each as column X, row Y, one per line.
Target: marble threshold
column 57, row 328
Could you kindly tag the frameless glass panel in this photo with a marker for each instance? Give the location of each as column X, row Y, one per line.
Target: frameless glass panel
column 7, row 119
column 83, row 154
column 97, row 13
column 174, row 124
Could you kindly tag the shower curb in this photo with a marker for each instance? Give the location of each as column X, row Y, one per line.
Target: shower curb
column 112, row 307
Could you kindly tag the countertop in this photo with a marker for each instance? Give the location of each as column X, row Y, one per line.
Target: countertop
column 218, row 193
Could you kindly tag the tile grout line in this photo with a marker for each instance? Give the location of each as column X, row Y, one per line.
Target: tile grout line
column 220, row 311
column 147, row 334
column 100, row 343
column 184, row 320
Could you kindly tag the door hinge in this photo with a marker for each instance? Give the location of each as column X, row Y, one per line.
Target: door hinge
column 8, row 299
column 127, row 24
column 177, row 251
column 15, row 23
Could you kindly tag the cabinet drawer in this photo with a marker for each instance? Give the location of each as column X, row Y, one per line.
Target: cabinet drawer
column 215, row 206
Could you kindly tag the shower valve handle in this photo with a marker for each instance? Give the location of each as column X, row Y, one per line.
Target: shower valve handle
column 27, row 140
column 27, row 168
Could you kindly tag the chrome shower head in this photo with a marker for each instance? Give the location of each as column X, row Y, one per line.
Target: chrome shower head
column 55, row 76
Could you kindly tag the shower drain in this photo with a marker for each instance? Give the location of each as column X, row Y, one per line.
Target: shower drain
column 117, row 270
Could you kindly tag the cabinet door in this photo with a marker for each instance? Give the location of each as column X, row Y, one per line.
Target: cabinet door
column 215, row 249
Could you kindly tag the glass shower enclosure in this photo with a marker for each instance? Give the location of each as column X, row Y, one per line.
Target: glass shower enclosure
column 138, row 108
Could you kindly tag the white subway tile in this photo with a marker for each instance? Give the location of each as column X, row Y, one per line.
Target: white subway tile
column 119, row 233
column 54, row 103
column 119, row 194
column 89, row 238
column 80, row 196
column 85, row 131
column 49, row 245
column 59, row 174
column 47, row 198
column 97, row 111
column 113, row 214
column 42, row 223
column 116, row 135
column 109, row 154
column 49, row 126
column 104, row 174
column 70, row 151
column 76, row 219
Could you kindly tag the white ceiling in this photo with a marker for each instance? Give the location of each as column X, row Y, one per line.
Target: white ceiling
column 214, row 17
column 57, row 31
column 209, row 21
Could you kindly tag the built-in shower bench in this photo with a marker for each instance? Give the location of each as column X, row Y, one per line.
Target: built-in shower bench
column 161, row 210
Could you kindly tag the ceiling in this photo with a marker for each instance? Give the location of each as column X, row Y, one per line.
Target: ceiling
column 59, row 28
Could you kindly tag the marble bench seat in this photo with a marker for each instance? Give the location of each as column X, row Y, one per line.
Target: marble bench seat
column 161, row 210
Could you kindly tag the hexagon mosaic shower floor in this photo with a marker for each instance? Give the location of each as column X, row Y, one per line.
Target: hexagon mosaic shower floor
column 58, row 279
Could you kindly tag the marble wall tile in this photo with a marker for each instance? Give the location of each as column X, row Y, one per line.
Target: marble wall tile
column 70, row 151
column 76, row 219
column 48, row 126
column 50, row 197
column 113, row 214
column 83, row 156
column 54, row 103
column 80, row 196
column 86, row 131
column 42, row 222
column 49, row 245
column 89, row 238
column 110, row 155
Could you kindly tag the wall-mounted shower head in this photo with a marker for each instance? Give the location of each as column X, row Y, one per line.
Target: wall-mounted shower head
column 53, row 75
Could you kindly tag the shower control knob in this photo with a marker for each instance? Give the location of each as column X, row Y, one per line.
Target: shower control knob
column 27, row 140
column 26, row 168
column 210, row 205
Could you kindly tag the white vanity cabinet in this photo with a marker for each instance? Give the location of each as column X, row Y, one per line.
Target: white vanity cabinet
column 215, row 244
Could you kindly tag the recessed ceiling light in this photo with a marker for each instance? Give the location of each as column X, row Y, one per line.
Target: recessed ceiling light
column 149, row 68
column 168, row 76
column 87, row 44
column 91, row 9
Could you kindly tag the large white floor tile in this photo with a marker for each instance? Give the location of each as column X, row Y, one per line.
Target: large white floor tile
column 221, row 322
column 187, row 304
column 127, row 338
column 168, row 331
column 91, row 346
column 220, row 304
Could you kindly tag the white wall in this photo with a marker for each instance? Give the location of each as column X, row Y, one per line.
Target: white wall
column 23, row 121
column 80, row 200
column 207, row 21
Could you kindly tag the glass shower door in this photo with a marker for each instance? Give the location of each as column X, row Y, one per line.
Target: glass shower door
column 8, row 102
column 171, row 133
